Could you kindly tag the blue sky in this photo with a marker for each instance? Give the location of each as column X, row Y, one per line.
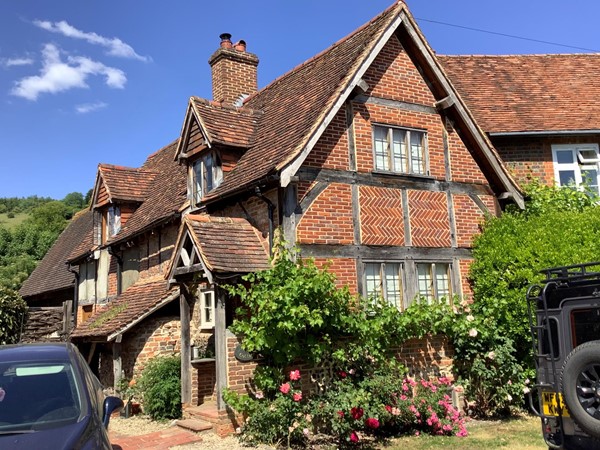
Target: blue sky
column 108, row 81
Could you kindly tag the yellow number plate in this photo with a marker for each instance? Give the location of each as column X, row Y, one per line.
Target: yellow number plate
column 550, row 403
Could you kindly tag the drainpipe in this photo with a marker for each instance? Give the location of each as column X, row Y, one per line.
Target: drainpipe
column 271, row 208
column 119, row 268
column 75, row 293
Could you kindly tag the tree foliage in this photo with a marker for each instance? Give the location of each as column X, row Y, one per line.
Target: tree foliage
column 559, row 226
column 13, row 311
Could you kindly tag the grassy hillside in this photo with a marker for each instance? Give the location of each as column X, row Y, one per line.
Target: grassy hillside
column 10, row 223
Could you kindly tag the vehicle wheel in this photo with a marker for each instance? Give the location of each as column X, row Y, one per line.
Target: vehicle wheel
column 580, row 386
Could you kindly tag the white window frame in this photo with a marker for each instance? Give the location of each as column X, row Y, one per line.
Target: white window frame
column 581, row 162
column 207, row 309
column 396, row 154
column 429, row 287
column 206, row 174
column 376, row 272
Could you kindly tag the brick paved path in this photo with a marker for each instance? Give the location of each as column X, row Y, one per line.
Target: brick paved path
column 159, row 440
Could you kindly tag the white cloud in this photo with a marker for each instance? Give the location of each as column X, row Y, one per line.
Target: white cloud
column 115, row 46
column 10, row 62
column 57, row 75
column 90, row 107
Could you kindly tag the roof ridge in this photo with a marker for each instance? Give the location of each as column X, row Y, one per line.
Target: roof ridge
column 243, row 110
column 323, row 52
column 525, row 55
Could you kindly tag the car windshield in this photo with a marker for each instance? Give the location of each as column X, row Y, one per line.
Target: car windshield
column 37, row 395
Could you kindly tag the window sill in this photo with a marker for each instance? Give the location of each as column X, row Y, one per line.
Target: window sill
column 385, row 173
column 202, row 360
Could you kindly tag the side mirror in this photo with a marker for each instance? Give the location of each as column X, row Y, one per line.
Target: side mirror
column 111, row 404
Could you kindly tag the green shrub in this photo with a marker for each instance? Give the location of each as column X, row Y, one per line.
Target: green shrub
column 160, row 388
column 13, row 314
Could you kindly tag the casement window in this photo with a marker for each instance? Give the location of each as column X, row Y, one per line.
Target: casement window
column 576, row 166
column 207, row 309
column 390, row 281
column 434, row 281
column 87, row 281
column 384, row 280
column 400, row 150
column 206, row 175
column 113, row 221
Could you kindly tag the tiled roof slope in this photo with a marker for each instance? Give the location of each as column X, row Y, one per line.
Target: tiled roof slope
column 139, row 300
column 165, row 195
column 293, row 104
column 126, row 183
column 228, row 244
column 529, row 93
column 51, row 273
column 226, row 124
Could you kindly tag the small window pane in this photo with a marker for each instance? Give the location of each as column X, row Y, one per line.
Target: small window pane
column 425, row 281
column 197, row 182
column 208, row 307
column 208, row 173
column 590, row 179
column 399, row 150
column 566, row 177
column 416, row 152
column 442, row 280
column 393, row 285
column 373, row 280
column 381, row 149
column 564, row 157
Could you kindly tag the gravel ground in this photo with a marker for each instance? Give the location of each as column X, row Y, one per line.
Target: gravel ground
column 138, row 425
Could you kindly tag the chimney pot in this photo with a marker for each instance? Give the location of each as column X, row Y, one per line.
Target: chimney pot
column 225, row 40
column 240, row 46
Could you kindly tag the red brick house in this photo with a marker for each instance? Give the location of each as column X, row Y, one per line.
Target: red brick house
column 365, row 156
column 539, row 111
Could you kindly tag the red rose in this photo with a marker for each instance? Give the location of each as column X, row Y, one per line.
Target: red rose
column 371, row 422
column 353, row 437
column 356, row 413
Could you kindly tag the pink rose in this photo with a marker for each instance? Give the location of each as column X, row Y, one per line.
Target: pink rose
column 371, row 422
column 297, row 396
column 294, row 375
column 285, row 388
column 353, row 436
column 341, row 414
column 356, row 413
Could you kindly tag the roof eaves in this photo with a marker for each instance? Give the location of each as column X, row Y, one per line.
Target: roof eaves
column 487, row 148
column 125, row 328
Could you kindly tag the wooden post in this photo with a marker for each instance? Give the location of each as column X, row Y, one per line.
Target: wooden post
column 67, row 313
column 220, row 346
column 117, row 362
column 186, row 374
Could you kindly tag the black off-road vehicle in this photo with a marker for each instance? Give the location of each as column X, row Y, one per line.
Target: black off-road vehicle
column 564, row 314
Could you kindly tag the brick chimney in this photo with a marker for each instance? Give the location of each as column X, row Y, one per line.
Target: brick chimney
column 233, row 71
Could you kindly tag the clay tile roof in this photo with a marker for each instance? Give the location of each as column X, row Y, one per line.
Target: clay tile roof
column 226, row 124
column 51, row 273
column 228, row 244
column 529, row 93
column 136, row 303
column 126, row 183
column 293, row 105
column 165, row 195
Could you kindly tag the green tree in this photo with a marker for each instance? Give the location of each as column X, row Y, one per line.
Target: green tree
column 559, row 226
column 13, row 312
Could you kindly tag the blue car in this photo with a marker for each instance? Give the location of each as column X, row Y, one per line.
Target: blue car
column 50, row 399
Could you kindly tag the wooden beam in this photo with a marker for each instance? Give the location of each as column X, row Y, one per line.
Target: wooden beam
column 396, row 104
column 445, row 103
column 290, row 203
column 117, row 364
column 383, row 252
column 220, row 346
column 186, row 365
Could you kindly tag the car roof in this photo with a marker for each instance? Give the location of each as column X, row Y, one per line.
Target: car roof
column 59, row 351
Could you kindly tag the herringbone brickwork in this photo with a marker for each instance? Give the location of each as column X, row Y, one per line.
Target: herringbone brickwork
column 429, row 222
column 381, row 219
column 329, row 219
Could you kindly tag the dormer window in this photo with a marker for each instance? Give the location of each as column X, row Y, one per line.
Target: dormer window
column 206, row 175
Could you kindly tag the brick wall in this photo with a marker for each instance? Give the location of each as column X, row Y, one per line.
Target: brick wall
column 329, row 219
column 344, row 270
column 429, row 221
column 469, row 217
column 331, row 152
column 381, row 216
column 427, row 357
